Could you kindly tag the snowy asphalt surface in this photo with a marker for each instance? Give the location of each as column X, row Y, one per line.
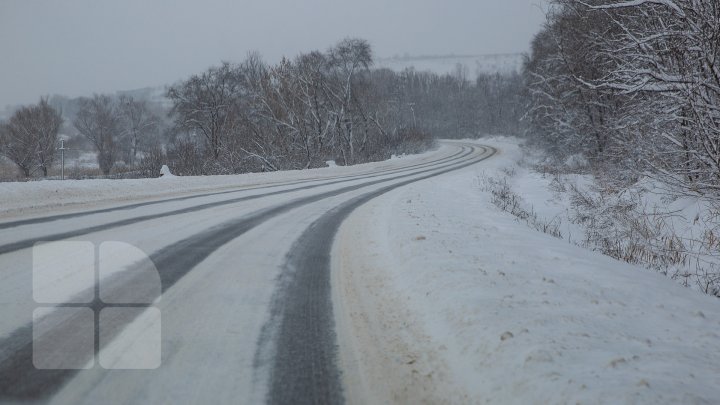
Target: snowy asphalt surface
column 246, row 302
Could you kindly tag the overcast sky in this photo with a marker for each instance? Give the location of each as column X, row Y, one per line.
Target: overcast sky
column 78, row 47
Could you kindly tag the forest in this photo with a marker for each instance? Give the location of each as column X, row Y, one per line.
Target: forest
column 632, row 86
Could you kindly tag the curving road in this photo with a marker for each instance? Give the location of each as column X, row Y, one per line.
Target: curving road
column 243, row 289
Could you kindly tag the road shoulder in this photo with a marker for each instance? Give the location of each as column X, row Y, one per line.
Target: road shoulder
column 441, row 298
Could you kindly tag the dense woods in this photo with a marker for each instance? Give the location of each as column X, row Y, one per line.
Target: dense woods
column 632, row 85
column 629, row 92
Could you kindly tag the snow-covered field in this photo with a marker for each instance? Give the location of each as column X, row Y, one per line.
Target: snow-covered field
column 474, row 65
column 443, row 298
column 52, row 196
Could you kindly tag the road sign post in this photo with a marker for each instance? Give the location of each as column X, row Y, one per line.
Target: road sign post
column 62, row 159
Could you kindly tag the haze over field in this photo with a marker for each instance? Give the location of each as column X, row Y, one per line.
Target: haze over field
column 80, row 47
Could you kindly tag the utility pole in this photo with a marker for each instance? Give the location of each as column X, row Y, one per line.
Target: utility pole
column 412, row 108
column 62, row 159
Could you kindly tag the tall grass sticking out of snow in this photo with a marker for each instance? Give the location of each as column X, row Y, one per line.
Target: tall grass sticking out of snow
column 507, row 200
column 623, row 226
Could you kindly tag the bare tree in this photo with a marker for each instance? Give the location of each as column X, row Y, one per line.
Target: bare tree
column 19, row 150
column 349, row 59
column 206, row 104
column 138, row 123
column 29, row 138
column 99, row 121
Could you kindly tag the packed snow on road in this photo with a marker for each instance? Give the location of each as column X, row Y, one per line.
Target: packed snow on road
column 437, row 294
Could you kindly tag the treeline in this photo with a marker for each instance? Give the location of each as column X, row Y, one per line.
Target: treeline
column 453, row 105
column 119, row 129
column 253, row 116
column 326, row 106
column 294, row 115
column 632, row 85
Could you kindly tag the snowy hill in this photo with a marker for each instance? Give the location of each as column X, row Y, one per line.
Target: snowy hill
column 441, row 64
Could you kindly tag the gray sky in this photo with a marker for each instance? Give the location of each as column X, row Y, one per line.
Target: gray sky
column 78, row 47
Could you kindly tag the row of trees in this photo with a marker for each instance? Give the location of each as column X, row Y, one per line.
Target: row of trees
column 328, row 106
column 635, row 83
column 254, row 116
column 293, row 115
column 452, row 106
column 116, row 128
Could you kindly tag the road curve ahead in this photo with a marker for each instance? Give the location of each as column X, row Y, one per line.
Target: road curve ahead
column 213, row 297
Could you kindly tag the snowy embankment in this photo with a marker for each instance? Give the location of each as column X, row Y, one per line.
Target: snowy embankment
column 450, row 300
column 40, row 197
column 640, row 223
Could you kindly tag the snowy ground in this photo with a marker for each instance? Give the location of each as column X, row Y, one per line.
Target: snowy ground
column 438, row 296
column 18, row 199
column 642, row 223
column 450, row 300
column 222, row 261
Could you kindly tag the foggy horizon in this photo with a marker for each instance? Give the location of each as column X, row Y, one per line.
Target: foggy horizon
column 80, row 47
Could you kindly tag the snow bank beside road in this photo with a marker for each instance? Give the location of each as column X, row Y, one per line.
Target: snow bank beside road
column 640, row 223
column 22, row 199
column 455, row 301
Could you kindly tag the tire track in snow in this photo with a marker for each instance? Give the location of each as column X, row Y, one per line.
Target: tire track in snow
column 27, row 243
column 303, row 354
column 51, row 218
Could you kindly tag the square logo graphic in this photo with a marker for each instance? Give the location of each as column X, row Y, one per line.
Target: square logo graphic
column 56, row 347
column 54, row 279
column 85, row 310
column 137, row 346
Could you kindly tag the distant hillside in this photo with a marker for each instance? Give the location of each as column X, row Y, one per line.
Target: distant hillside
column 441, row 64
column 154, row 96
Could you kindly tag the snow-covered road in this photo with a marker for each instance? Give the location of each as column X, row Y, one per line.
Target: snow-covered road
column 391, row 282
column 235, row 304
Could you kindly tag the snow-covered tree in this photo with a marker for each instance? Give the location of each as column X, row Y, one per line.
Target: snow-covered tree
column 99, row 120
column 29, row 138
column 137, row 124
